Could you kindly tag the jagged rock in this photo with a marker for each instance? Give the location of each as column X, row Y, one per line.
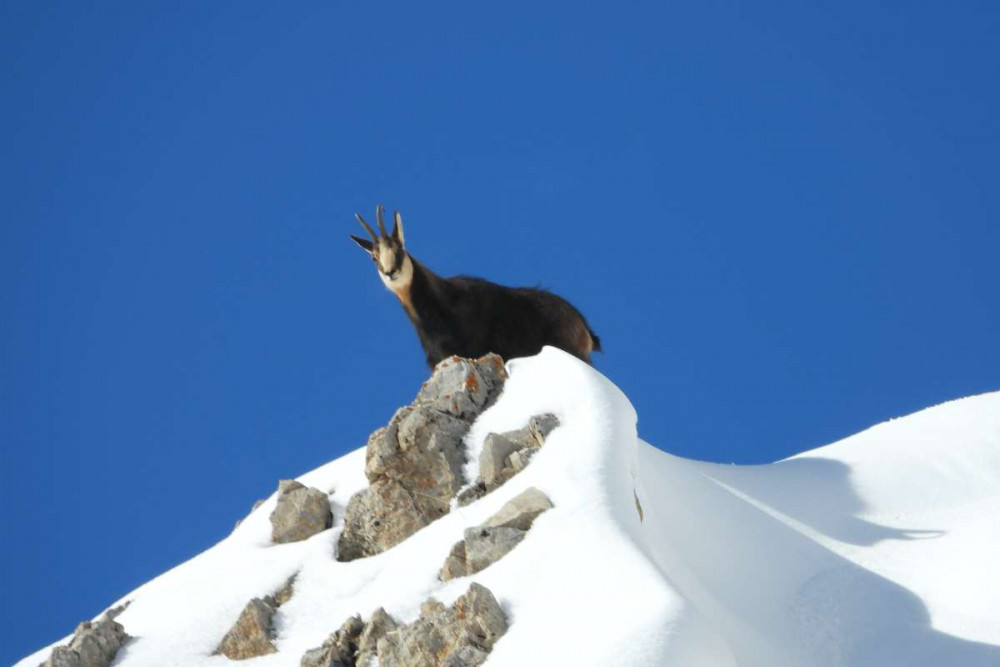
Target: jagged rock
column 414, row 464
column 506, row 454
column 422, row 450
column 496, row 449
column 301, row 512
column 484, row 545
column 521, row 510
column 454, row 564
column 94, row 644
column 520, row 460
column 250, row 636
column 378, row 627
column 353, row 645
column 541, row 425
column 459, row 636
column 378, row 518
column 339, row 649
column 464, row 388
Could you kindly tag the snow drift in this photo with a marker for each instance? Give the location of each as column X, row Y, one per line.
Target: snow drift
column 880, row 549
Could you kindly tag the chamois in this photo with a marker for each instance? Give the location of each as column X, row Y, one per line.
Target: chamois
column 470, row 317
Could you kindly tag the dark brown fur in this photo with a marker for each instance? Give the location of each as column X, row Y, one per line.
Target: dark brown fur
column 470, row 317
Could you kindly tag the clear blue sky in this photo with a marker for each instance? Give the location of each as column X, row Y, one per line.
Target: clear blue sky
column 782, row 220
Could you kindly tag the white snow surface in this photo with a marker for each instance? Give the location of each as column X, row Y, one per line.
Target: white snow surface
column 880, row 549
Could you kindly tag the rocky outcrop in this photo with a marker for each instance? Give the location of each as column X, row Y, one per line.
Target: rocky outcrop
column 251, row 635
column 94, row 644
column 353, row 645
column 414, row 464
column 458, row 636
column 301, row 512
column 253, row 631
column 484, row 545
column 506, row 454
column 339, row 648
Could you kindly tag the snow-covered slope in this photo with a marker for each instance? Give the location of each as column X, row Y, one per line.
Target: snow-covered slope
column 880, row 549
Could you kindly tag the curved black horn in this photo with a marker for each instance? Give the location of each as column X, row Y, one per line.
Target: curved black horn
column 378, row 216
column 365, row 225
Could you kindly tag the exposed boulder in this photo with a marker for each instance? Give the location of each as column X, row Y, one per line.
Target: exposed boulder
column 520, row 511
column 422, row 450
column 464, row 388
column 455, row 564
column 301, row 512
column 250, row 636
column 506, row 454
column 414, row 464
column 377, row 518
column 94, row 644
column 484, row 545
column 496, row 449
column 458, row 636
column 253, row 631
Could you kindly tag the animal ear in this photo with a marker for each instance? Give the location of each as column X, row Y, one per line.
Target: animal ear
column 365, row 244
column 397, row 230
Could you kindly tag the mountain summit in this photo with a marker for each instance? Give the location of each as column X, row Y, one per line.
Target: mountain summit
column 550, row 534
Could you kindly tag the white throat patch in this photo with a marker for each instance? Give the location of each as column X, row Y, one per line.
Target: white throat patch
column 402, row 278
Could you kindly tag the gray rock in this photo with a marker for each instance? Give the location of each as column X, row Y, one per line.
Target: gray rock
column 520, row 459
column 94, row 644
column 414, row 464
column 506, row 454
column 353, row 644
column 467, row 656
column 464, row 388
column 250, row 636
column 378, row 518
column 478, row 612
column 422, row 450
column 496, row 449
column 378, row 627
column 340, row 648
column 484, row 546
column 521, row 511
column 541, row 425
column 454, row 564
column 459, row 636
column 300, row 512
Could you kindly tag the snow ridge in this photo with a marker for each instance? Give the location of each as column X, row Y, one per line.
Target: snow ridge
column 876, row 550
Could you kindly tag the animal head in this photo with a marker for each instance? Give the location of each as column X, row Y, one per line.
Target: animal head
column 392, row 262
